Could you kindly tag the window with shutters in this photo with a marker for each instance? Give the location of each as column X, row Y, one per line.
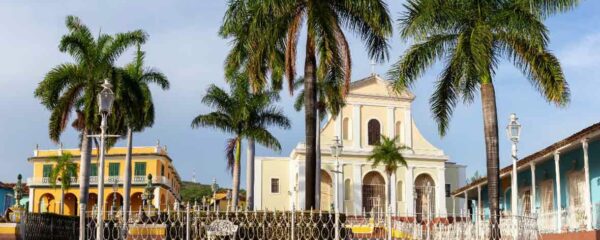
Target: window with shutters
column 113, row 169
column 374, row 132
column 94, row 169
column 139, row 169
column 46, row 170
column 274, row 185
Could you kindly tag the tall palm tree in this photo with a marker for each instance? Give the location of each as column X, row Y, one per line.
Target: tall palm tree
column 278, row 24
column 243, row 114
column 329, row 99
column 134, row 102
column 388, row 154
column 471, row 37
column 63, row 170
column 73, row 86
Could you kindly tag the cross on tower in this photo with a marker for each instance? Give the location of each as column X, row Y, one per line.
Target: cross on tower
column 373, row 67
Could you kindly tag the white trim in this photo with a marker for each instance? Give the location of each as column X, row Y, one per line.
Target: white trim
column 587, row 195
column 409, row 189
column 31, row 199
column 301, row 185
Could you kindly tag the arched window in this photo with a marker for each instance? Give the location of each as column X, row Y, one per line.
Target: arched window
column 399, row 190
column 347, row 190
column 346, row 133
column 398, row 132
column 374, row 133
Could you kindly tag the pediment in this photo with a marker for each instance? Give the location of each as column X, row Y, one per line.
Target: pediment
column 376, row 86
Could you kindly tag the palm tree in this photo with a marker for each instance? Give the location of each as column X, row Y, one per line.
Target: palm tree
column 277, row 24
column 73, row 86
column 134, row 103
column 471, row 37
column 244, row 115
column 329, row 99
column 63, row 170
column 387, row 153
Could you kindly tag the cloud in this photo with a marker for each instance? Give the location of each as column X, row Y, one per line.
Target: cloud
column 582, row 53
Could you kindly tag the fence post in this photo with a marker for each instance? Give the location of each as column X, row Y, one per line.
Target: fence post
column 187, row 221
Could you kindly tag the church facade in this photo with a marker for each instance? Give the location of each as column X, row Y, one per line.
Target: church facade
column 372, row 109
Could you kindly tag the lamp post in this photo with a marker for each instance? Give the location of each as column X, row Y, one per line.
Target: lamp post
column 213, row 187
column 513, row 130
column 105, row 102
column 336, row 150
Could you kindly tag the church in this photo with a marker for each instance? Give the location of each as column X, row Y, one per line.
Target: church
column 372, row 109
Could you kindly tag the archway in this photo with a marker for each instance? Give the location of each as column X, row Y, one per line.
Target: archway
column 373, row 189
column 116, row 198
column 70, row 203
column 326, row 191
column 92, row 201
column 425, row 197
column 47, row 204
column 136, row 202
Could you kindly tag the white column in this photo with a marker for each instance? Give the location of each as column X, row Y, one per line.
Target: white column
column 293, row 168
column 393, row 193
column 533, row 190
column 409, row 191
column 558, row 200
column 157, row 198
column 31, row 199
column 357, row 187
column 407, row 128
column 338, row 125
column 441, row 192
column 301, row 186
column 356, row 134
column 454, row 208
column 391, row 125
column 586, row 170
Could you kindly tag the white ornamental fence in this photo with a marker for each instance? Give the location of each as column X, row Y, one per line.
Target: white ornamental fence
column 195, row 223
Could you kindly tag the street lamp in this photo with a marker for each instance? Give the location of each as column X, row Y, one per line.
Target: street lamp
column 214, row 187
column 513, row 130
column 105, row 102
column 336, row 151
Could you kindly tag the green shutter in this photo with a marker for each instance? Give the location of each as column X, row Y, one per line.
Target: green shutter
column 46, row 170
column 113, row 169
column 140, row 169
column 94, row 169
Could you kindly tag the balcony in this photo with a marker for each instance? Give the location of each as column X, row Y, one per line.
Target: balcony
column 108, row 180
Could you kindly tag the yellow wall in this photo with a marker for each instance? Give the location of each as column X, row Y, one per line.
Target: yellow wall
column 154, row 160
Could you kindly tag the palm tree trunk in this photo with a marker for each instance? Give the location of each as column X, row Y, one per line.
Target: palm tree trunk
column 490, row 126
column 84, row 179
column 236, row 174
column 318, row 163
column 127, row 183
column 250, row 174
column 310, row 112
column 62, row 200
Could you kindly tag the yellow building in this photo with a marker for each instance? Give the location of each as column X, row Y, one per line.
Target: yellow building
column 145, row 160
column 372, row 109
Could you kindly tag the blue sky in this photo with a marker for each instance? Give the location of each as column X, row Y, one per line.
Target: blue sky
column 184, row 45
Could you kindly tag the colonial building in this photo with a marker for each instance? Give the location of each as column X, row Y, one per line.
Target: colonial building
column 559, row 184
column 373, row 109
column 145, row 160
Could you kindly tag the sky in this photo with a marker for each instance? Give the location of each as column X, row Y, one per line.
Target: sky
column 184, row 45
